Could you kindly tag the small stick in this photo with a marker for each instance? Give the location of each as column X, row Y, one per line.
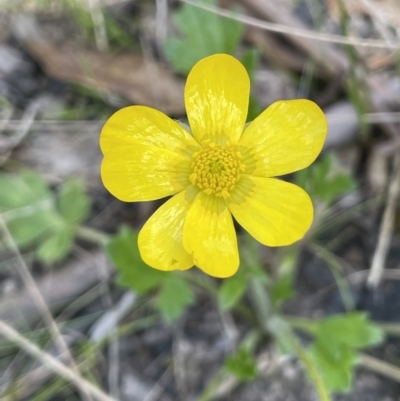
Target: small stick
column 161, row 22
column 381, row 367
column 386, row 228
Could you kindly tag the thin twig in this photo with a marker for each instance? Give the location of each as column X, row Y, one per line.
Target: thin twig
column 381, row 367
column 386, row 228
column 381, row 117
column 52, row 363
column 84, row 125
column 53, row 125
column 287, row 30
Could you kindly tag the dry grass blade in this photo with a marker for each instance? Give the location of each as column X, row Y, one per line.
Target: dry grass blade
column 57, row 290
column 23, row 127
column 384, row 117
column 287, row 30
column 41, row 303
column 100, row 31
column 52, row 363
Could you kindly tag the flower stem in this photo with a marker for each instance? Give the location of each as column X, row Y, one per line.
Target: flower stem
column 282, row 332
column 92, row 235
column 208, row 285
column 312, row 371
column 261, row 302
column 210, row 391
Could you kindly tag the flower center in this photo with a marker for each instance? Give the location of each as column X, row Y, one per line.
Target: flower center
column 216, row 169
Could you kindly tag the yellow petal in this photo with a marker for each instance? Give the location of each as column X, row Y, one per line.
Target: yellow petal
column 160, row 239
column 210, row 237
column 216, row 98
column 138, row 172
column 274, row 212
column 146, row 126
column 288, row 136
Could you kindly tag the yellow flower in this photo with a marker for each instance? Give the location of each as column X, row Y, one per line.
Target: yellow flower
column 220, row 169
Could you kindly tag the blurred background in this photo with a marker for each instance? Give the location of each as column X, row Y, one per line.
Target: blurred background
column 83, row 318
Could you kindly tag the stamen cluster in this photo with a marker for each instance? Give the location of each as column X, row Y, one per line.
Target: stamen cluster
column 216, row 169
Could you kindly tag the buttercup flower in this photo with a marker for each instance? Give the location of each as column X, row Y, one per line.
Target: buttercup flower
column 220, row 169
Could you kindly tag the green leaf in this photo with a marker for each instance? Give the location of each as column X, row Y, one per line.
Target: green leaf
column 311, row 368
column 57, row 246
column 124, row 253
column 302, row 178
column 28, row 208
column 250, row 60
column 23, row 190
column 283, row 288
column 250, row 264
column 336, row 365
column 325, row 180
column 353, row 329
column 254, row 109
column 337, row 340
column 174, row 297
column 339, row 185
column 231, row 291
column 202, row 34
column 31, row 228
column 73, row 203
column 242, row 364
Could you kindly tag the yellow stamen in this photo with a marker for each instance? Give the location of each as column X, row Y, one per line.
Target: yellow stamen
column 216, row 169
